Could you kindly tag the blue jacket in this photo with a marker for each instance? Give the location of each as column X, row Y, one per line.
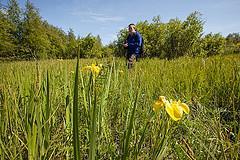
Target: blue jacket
column 134, row 43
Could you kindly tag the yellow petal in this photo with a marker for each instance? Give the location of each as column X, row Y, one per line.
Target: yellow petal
column 172, row 112
column 177, row 110
column 157, row 105
column 95, row 69
column 162, row 99
column 185, row 108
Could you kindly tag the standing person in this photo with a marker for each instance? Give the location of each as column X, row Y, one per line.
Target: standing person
column 133, row 44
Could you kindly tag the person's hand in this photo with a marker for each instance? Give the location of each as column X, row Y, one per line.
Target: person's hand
column 125, row 45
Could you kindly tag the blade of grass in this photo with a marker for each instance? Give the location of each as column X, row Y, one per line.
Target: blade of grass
column 102, row 107
column 93, row 133
column 76, row 145
column 129, row 129
column 138, row 145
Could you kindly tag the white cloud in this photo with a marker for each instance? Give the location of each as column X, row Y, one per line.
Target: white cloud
column 89, row 16
column 107, row 18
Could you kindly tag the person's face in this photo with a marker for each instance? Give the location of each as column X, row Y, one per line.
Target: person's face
column 131, row 29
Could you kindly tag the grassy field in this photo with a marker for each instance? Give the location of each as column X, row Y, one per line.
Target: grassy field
column 50, row 111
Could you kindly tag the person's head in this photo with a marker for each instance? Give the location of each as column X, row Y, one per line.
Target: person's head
column 131, row 28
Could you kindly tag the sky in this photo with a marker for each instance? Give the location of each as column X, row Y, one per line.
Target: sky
column 107, row 17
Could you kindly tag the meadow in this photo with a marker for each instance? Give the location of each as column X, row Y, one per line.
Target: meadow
column 61, row 109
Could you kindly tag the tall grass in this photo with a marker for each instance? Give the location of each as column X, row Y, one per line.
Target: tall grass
column 54, row 110
column 76, row 144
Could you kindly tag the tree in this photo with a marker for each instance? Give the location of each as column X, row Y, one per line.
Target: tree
column 167, row 40
column 213, row 44
column 71, row 44
column 172, row 45
column 14, row 12
column 108, row 50
column 155, row 38
column 14, row 17
column 58, row 41
column 7, row 42
column 121, row 37
column 90, row 46
column 34, row 38
column 183, row 38
column 191, row 35
column 97, row 47
column 233, row 43
column 233, row 38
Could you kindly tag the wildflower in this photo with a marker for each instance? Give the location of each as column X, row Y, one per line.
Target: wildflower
column 174, row 109
column 159, row 103
column 185, row 107
column 94, row 69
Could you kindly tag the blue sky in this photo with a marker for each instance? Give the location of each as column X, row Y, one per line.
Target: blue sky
column 107, row 17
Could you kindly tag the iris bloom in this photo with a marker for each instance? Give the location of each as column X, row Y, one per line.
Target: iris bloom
column 174, row 109
column 159, row 103
column 95, row 69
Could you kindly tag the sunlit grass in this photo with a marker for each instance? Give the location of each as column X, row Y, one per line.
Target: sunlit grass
column 51, row 109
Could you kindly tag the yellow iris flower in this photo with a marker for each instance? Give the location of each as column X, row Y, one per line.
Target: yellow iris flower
column 159, row 103
column 94, row 69
column 174, row 109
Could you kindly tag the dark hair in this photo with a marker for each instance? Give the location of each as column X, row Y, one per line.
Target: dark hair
column 131, row 24
column 134, row 26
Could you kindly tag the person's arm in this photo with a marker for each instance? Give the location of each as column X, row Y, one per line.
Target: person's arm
column 138, row 43
column 125, row 44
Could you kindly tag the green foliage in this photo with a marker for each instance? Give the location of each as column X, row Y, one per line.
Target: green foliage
column 71, row 48
column 176, row 38
column 167, row 40
column 173, row 39
column 58, row 41
column 108, row 51
column 13, row 12
column 34, row 39
column 118, row 44
column 233, row 38
column 14, row 16
column 26, row 36
column 213, row 44
column 233, row 43
column 90, row 46
column 7, row 42
column 154, row 37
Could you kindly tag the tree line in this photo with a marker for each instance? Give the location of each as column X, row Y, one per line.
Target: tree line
column 179, row 38
column 25, row 35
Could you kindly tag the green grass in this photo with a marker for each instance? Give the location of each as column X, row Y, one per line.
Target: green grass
column 53, row 110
